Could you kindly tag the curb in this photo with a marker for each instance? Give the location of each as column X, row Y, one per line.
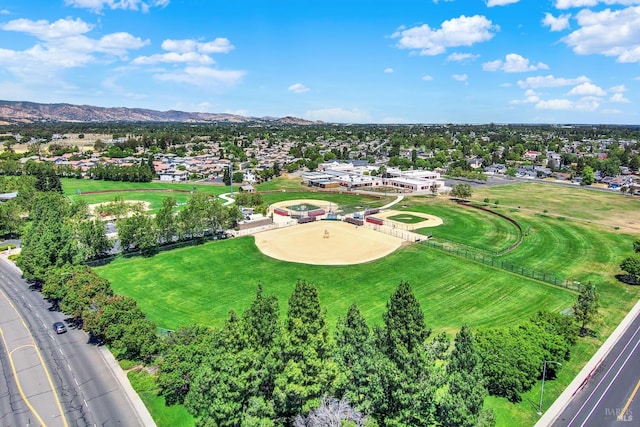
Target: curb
column 563, row 400
column 144, row 417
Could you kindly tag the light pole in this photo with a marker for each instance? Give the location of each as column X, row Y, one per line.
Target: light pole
column 544, row 373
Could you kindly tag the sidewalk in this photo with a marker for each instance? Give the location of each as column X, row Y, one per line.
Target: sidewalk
column 563, row 400
column 136, row 402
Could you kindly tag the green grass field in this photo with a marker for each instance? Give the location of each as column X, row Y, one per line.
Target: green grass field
column 577, row 234
column 201, row 284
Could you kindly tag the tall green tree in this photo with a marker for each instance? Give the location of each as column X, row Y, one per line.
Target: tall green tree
column 188, row 348
column 165, row 221
column 309, row 370
column 461, row 191
column 405, row 369
column 137, row 232
column 356, row 356
column 264, row 332
column 93, row 239
column 48, row 240
column 631, row 265
column 588, row 176
column 220, row 392
column 585, row 309
column 461, row 403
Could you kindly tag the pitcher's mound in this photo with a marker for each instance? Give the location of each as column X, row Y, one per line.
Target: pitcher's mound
column 326, row 243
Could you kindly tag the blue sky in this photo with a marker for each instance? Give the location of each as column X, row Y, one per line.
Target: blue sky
column 428, row 61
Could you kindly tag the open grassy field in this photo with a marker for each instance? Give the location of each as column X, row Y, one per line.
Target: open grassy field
column 588, row 205
column 464, row 225
column 201, row 284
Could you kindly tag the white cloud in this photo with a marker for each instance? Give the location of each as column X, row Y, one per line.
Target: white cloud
column 298, row 88
column 174, row 57
column 462, row 57
column 530, row 97
column 609, row 33
column 567, row 4
column 62, row 44
column 98, row 5
column 338, row 115
column 460, row 77
column 205, row 77
column 556, row 23
column 618, row 97
column 5, row 12
column 492, row 3
column 585, row 104
column 513, row 63
column 388, row 70
column 45, row 30
column 550, row 81
column 195, row 55
column 587, row 89
column 618, row 89
column 219, row 45
column 187, row 51
column 462, row 31
column 427, row 78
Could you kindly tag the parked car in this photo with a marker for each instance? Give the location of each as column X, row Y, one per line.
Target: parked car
column 59, row 327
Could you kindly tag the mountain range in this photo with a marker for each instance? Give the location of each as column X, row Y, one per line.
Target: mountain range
column 32, row 112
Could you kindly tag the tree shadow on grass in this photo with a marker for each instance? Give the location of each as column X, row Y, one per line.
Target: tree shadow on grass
column 628, row 279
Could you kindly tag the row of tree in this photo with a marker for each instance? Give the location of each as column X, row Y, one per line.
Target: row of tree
column 113, row 319
column 260, row 370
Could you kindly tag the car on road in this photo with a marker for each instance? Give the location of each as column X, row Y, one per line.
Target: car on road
column 59, row 328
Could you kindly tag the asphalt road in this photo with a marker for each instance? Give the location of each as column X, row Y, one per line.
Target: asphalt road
column 86, row 385
column 611, row 395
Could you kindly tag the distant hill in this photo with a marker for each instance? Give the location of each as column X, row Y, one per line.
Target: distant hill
column 32, row 112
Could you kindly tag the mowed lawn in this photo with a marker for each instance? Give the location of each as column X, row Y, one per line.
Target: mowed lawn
column 464, row 225
column 201, row 284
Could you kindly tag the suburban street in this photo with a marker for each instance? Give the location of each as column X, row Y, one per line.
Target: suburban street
column 85, row 379
column 610, row 396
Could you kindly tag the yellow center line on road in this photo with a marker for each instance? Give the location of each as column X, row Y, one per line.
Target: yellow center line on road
column 15, row 375
column 633, row 394
column 44, row 367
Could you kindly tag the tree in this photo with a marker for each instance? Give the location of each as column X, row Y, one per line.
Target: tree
column 265, row 337
column 636, row 246
column 308, row 369
column 48, row 240
column 75, row 289
column 461, row 191
column 238, row 177
column 226, row 176
column 511, row 172
column 510, row 362
column 462, row 402
column 588, row 176
column 93, row 239
column 165, row 221
column 405, row 369
column 586, row 307
column 358, row 381
column 220, row 391
column 137, row 232
column 631, row 265
column 189, row 347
